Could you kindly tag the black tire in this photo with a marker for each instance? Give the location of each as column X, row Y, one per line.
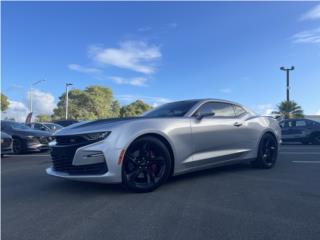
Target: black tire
column 315, row 138
column 17, row 146
column 147, row 164
column 267, row 152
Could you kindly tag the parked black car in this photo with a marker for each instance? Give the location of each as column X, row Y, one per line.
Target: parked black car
column 6, row 143
column 26, row 139
column 300, row 130
column 49, row 127
column 65, row 123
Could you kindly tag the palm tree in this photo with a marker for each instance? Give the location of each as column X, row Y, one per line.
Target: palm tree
column 290, row 109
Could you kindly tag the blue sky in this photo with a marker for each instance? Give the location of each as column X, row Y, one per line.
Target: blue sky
column 160, row 52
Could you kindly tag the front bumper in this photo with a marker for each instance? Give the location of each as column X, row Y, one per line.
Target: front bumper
column 104, row 178
column 7, row 150
column 32, row 147
column 81, row 161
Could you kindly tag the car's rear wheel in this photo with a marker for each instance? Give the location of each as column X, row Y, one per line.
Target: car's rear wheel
column 267, row 152
column 316, row 138
column 17, row 146
column 147, row 165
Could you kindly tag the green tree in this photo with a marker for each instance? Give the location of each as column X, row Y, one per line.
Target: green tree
column 43, row 118
column 4, row 103
column 290, row 109
column 94, row 102
column 115, row 109
column 134, row 109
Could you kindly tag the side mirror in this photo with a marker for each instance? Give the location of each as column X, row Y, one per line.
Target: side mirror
column 200, row 116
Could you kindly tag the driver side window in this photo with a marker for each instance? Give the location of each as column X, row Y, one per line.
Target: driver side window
column 219, row 109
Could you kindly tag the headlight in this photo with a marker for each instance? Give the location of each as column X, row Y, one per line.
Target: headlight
column 96, row 136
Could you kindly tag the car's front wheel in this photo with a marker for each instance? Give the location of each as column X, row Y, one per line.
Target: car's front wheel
column 147, row 164
column 267, row 152
column 17, row 146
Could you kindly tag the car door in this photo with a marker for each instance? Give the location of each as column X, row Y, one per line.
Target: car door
column 300, row 129
column 286, row 128
column 219, row 137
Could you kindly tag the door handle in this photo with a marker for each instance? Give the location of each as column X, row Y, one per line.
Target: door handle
column 237, row 124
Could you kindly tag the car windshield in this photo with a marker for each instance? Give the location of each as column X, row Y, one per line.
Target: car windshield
column 52, row 126
column 19, row 126
column 174, row 109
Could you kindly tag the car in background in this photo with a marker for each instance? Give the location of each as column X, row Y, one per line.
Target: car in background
column 49, row 127
column 300, row 130
column 6, row 143
column 65, row 123
column 26, row 139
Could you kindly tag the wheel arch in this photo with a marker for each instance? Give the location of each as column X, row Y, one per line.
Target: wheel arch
column 164, row 140
column 267, row 131
column 270, row 132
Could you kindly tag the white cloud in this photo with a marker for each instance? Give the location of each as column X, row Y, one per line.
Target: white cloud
column 265, row 109
column 318, row 113
column 17, row 110
column 133, row 55
column 309, row 36
column 153, row 101
column 226, row 90
column 79, row 68
column 42, row 102
column 137, row 81
column 312, row 14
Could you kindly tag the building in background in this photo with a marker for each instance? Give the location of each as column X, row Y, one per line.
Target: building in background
column 313, row 117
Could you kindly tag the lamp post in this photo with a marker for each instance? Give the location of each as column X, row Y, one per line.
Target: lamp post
column 287, row 70
column 31, row 89
column 67, row 98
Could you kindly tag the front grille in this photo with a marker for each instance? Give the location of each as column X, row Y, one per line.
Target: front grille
column 44, row 140
column 67, row 140
column 62, row 157
column 6, row 143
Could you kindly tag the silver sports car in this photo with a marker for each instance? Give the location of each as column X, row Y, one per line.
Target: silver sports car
column 175, row 138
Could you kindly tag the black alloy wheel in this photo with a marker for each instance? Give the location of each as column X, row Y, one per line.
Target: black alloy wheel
column 267, row 153
column 17, row 146
column 147, row 164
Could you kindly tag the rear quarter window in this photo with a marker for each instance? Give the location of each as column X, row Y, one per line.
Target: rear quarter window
column 238, row 110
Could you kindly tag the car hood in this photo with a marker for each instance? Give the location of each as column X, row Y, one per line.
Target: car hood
column 5, row 135
column 31, row 132
column 97, row 125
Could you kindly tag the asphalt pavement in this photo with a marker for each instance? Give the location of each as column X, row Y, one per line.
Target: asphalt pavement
column 234, row 202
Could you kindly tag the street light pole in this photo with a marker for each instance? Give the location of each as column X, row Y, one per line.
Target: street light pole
column 287, row 70
column 67, row 98
column 31, row 89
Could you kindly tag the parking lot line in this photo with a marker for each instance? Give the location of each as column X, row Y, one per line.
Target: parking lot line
column 306, row 161
column 29, row 155
column 300, row 153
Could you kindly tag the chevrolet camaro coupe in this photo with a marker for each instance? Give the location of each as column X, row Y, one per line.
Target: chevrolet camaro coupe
column 172, row 139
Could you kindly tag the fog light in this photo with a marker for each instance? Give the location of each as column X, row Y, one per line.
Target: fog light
column 88, row 157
